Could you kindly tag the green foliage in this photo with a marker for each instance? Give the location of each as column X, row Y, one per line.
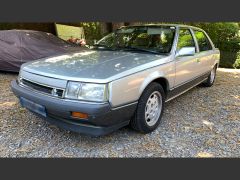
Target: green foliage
column 185, row 39
column 220, row 32
column 92, row 31
column 237, row 62
column 226, row 37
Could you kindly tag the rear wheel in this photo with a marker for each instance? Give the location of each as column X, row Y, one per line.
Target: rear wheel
column 149, row 110
column 211, row 78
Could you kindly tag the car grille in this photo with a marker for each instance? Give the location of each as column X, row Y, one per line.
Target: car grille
column 56, row 92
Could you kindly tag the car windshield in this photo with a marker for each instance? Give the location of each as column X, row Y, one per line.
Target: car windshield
column 143, row 38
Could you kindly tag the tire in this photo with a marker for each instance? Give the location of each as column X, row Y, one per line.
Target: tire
column 152, row 98
column 211, row 78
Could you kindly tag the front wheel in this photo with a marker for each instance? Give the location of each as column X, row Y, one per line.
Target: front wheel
column 150, row 109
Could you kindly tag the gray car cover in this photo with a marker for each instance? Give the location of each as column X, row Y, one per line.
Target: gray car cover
column 20, row 46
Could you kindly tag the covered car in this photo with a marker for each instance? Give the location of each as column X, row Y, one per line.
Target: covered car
column 20, row 46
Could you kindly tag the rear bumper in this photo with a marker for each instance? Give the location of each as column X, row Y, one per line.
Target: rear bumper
column 102, row 118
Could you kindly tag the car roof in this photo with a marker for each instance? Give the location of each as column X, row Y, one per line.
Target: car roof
column 158, row 25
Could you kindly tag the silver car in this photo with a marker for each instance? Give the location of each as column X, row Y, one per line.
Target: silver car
column 124, row 79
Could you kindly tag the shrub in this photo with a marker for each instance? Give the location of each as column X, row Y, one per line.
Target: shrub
column 225, row 36
column 237, row 62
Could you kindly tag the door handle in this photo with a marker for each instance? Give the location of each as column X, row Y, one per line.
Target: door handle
column 198, row 60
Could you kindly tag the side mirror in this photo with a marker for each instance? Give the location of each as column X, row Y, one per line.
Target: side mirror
column 186, row 51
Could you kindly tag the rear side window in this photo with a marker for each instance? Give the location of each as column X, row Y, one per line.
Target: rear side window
column 203, row 42
column 185, row 39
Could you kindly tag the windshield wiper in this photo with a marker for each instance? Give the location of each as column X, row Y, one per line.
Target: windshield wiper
column 127, row 48
column 130, row 48
column 103, row 46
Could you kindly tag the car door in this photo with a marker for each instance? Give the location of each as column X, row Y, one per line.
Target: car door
column 186, row 65
column 205, row 52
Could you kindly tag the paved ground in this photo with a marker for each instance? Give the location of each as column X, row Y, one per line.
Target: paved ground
column 204, row 122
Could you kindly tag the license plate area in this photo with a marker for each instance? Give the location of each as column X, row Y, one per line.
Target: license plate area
column 34, row 107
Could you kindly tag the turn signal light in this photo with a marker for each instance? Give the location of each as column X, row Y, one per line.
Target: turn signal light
column 79, row 115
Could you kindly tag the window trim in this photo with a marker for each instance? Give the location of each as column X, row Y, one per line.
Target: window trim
column 208, row 38
column 191, row 32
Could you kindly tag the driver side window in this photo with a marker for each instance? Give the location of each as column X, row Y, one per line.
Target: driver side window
column 185, row 39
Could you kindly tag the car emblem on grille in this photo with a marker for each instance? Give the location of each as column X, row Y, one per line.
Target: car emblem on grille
column 54, row 92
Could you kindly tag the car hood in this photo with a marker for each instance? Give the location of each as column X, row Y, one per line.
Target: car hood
column 93, row 65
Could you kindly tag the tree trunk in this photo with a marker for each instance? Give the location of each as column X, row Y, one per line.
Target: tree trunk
column 117, row 25
column 105, row 28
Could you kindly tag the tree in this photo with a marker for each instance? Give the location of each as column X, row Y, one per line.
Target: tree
column 226, row 37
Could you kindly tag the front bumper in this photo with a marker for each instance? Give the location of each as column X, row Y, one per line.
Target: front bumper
column 102, row 118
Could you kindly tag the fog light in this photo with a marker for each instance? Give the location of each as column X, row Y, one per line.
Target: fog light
column 79, row 115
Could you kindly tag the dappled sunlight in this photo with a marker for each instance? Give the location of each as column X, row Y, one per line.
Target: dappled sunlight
column 134, row 85
column 63, row 57
column 208, row 124
column 204, row 155
column 136, row 81
column 227, row 76
column 56, row 59
column 8, row 104
column 183, row 72
column 83, row 53
column 119, row 67
column 229, row 70
column 236, row 97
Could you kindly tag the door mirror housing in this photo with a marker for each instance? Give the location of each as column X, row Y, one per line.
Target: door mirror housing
column 186, row 51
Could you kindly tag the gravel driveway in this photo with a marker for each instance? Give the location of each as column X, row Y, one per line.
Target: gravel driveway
column 204, row 122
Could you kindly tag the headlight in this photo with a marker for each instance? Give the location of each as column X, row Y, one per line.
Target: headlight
column 86, row 91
